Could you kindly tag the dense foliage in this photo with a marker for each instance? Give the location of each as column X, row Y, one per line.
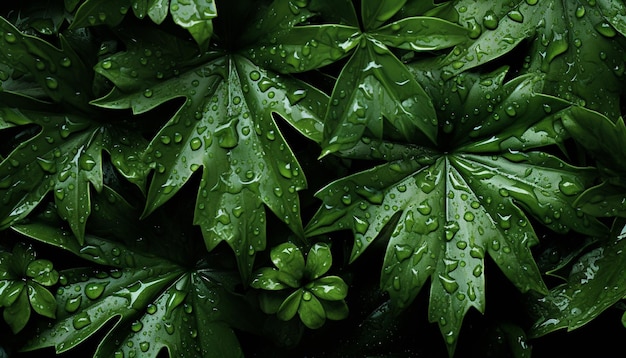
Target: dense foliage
column 268, row 178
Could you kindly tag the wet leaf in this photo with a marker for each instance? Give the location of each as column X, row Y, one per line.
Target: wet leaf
column 572, row 44
column 226, row 130
column 63, row 158
column 442, row 214
column 154, row 304
column 195, row 16
column 595, row 283
column 375, row 88
column 56, row 71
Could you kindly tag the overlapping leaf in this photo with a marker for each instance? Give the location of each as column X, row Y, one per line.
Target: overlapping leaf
column 605, row 142
column 571, row 42
column 60, row 73
column 226, row 129
column 65, row 158
column 147, row 303
column 196, row 16
column 375, row 89
column 443, row 213
column 596, row 282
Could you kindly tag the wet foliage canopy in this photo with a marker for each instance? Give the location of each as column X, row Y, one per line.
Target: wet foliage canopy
column 216, row 178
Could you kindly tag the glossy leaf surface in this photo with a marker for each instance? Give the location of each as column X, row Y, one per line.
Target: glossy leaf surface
column 442, row 214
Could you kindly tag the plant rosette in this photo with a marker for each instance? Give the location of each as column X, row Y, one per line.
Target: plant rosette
column 23, row 282
column 298, row 287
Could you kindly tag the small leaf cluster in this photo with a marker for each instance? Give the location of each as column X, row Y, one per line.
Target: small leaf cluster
column 310, row 294
column 24, row 282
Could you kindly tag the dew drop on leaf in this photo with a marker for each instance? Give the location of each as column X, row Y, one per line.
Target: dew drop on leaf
column 195, row 143
column 73, row 303
column 136, row 326
column 10, row 37
column 94, row 290
column 51, row 83
column 490, row 20
column 403, row 252
column 605, row 29
column 81, row 320
column 449, row 284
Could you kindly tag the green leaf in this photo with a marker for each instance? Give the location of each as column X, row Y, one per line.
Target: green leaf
column 150, row 302
column 421, row 34
column 573, row 45
column 58, row 72
column 289, row 306
column 288, row 258
column 374, row 87
column 442, row 214
column 375, row 13
column 311, row 311
column 329, row 288
column 226, row 129
column 195, row 16
column 65, row 157
column 42, row 272
column 17, row 314
column 596, row 282
column 318, row 261
column 267, row 278
column 289, row 52
column 41, row 300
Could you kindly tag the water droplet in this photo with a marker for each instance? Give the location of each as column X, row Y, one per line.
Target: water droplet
column 255, row 75
column 81, row 320
column 195, row 143
column 451, row 228
column 106, row 64
column 86, row 162
column 94, row 290
column 51, row 83
column 372, row 195
column 73, row 303
column 510, row 111
column 490, row 20
column 469, row 216
column 307, row 296
column 147, row 93
column 166, row 139
column 136, row 326
column 605, row 29
column 516, row 16
column 65, row 62
column 144, row 346
column 360, row 225
column 569, row 188
column 449, row 284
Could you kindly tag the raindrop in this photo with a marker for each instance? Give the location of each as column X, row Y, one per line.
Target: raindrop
column 106, row 64
column 86, row 162
column 605, row 29
column 147, row 93
column 73, row 303
column 51, row 83
column 516, row 16
column 94, row 290
column 449, row 284
column 360, row 225
column 144, row 346
column 490, row 20
column 195, row 143
column 136, row 326
column 81, row 320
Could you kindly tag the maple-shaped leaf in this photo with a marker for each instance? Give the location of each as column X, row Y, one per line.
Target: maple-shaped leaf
column 595, row 282
column 375, row 91
column 138, row 303
column 226, row 129
column 64, row 157
column 443, row 211
column 572, row 43
column 195, row 16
